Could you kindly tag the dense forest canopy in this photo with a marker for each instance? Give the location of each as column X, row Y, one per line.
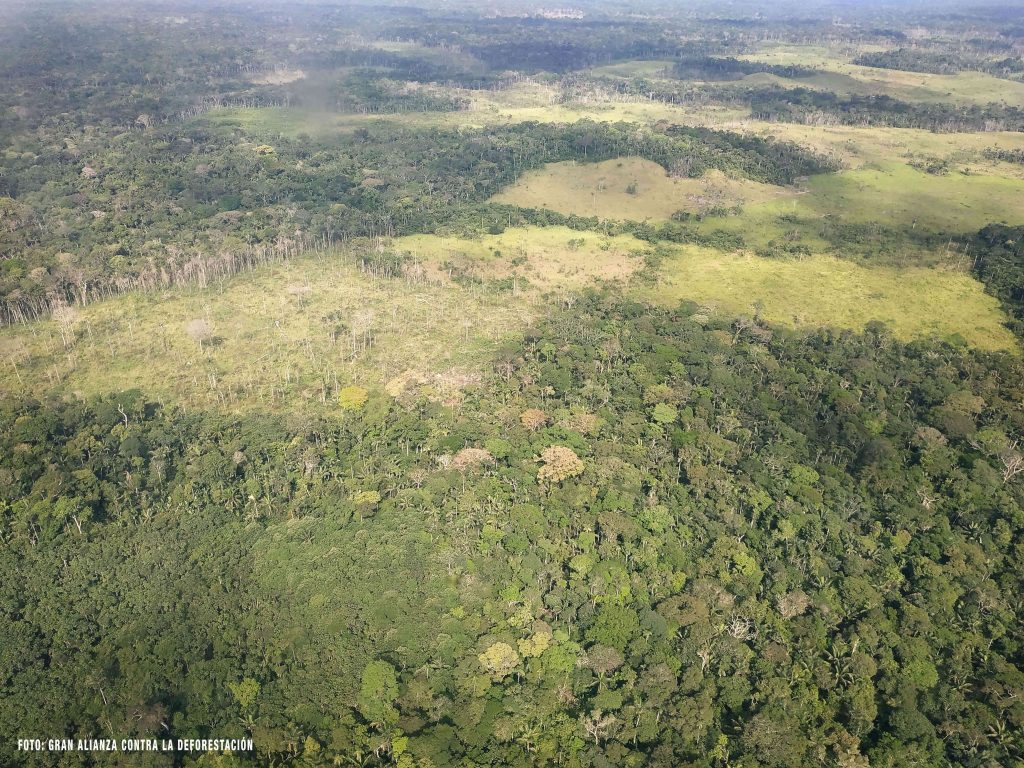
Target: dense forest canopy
column 360, row 398
column 756, row 543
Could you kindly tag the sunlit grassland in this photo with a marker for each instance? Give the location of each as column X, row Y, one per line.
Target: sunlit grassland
column 293, row 333
column 542, row 102
column 634, row 68
column 901, row 196
column 608, row 112
column 824, row 291
column 285, row 121
column 856, row 146
column 282, row 335
column 852, row 80
column 295, row 121
column 844, row 78
column 631, row 188
column 888, row 195
column 524, row 102
column 540, row 258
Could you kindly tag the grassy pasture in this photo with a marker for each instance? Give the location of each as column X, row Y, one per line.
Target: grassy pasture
column 963, row 88
column 899, row 196
column 634, row 68
column 611, row 112
column 291, row 334
column 524, row 102
column 842, row 77
column 877, row 194
column 887, row 195
column 541, row 258
column 294, row 121
column 857, row 146
column 294, row 333
column 280, row 336
column 823, row 291
column 631, row 188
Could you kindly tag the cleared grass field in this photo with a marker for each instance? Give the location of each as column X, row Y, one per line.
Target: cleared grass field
column 887, row 195
column 271, row 339
column 823, row 291
column 963, row 88
column 294, row 121
column 542, row 258
column 856, row 146
column 844, row 78
column 634, row 68
column 525, row 102
column 631, row 188
column 899, row 196
column 294, row 333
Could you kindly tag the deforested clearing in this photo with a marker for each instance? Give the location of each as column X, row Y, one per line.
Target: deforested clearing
column 633, row 188
column 916, row 303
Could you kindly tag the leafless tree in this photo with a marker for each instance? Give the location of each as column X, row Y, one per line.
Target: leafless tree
column 597, row 723
column 1012, row 461
column 200, row 330
column 66, row 317
column 741, row 628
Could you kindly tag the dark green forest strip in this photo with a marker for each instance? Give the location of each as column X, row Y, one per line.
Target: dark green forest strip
column 939, row 62
column 998, row 261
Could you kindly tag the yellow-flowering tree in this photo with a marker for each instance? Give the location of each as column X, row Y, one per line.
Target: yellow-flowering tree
column 352, row 398
column 559, row 463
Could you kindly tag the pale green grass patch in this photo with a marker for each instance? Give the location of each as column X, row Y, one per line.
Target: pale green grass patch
column 898, row 197
column 525, row 102
column 645, row 112
column 856, row 146
column 631, row 188
column 823, row 291
column 882, row 199
column 635, row 68
column 544, row 258
column 292, row 334
column 287, row 121
column 885, row 195
column 280, row 336
column 844, row 78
